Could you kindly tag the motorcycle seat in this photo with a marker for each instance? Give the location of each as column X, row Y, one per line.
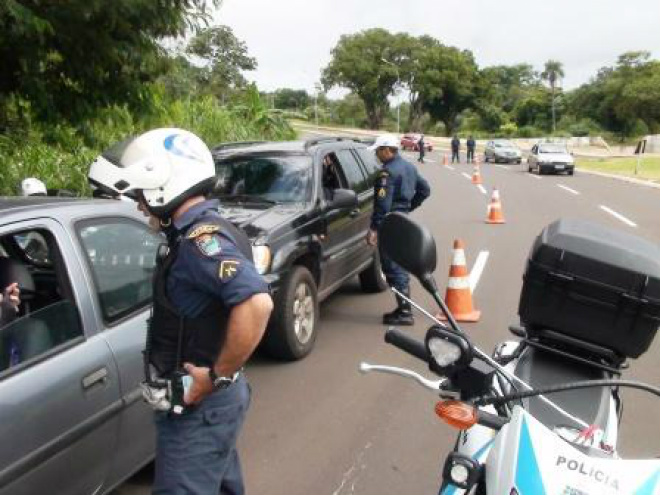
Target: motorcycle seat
column 541, row 368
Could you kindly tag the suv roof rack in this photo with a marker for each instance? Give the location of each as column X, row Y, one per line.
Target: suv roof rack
column 328, row 139
column 237, row 144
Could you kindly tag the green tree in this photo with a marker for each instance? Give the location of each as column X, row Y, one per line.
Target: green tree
column 224, row 59
column 357, row 64
column 552, row 73
column 69, row 58
column 292, row 99
column 624, row 99
column 447, row 83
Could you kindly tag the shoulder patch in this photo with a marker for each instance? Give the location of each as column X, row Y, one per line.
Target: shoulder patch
column 228, row 269
column 208, row 244
column 203, row 229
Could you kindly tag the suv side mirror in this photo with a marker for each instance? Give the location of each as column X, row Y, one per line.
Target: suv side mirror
column 343, row 199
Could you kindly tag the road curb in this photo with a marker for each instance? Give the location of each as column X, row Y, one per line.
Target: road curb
column 623, row 178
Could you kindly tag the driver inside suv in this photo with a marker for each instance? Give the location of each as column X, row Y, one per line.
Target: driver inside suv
column 331, row 179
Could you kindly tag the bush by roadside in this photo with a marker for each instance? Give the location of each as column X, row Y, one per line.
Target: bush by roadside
column 60, row 155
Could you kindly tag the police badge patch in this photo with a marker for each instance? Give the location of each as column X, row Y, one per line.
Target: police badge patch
column 208, row 244
column 203, row 229
column 228, row 269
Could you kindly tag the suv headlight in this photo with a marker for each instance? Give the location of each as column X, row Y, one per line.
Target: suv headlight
column 262, row 258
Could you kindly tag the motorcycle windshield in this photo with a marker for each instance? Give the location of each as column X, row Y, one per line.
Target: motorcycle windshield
column 533, row 460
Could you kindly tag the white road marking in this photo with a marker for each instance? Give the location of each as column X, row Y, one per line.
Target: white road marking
column 468, row 177
column 450, row 167
column 618, row 216
column 477, row 269
column 429, row 161
column 535, row 176
column 482, row 189
column 502, row 167
column 566, row 188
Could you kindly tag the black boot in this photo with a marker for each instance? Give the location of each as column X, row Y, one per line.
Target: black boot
column 401, row 316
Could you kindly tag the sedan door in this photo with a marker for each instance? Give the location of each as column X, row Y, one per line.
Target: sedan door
column 59, row 387
column 120, row 255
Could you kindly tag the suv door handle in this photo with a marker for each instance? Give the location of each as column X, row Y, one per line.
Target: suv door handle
column 354, row 213
column 98, row 376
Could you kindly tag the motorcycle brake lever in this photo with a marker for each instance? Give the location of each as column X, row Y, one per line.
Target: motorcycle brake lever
column 434, row 385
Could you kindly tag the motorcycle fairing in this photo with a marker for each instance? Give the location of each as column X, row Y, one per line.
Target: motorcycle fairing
column 532, row 459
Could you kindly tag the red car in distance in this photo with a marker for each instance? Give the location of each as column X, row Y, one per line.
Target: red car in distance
column 410, row 142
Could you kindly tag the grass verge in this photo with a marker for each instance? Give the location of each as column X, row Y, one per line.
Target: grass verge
column 649, row 166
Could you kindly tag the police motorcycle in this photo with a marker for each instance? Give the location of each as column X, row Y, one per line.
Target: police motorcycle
column 541, row 415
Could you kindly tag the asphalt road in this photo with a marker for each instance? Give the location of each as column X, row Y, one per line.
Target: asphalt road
column 320, row 427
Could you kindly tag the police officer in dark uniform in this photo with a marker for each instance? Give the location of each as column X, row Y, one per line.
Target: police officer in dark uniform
column 210, row 310
column 399, row 187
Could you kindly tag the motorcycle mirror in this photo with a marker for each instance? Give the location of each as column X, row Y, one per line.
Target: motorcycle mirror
column 449, row 351
column 409, row 245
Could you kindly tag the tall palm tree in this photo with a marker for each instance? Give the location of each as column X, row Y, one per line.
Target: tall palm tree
column 553, row 72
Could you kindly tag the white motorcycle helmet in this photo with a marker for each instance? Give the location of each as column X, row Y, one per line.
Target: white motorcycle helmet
column 165, row 166
column 33, row 187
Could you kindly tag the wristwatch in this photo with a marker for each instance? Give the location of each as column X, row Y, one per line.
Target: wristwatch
column 220, row 382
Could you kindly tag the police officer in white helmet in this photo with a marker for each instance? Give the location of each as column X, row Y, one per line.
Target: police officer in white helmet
column 210, row 310
column 33, row 187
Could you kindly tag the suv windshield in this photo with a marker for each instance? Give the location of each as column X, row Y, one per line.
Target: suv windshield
column 552, row 148
column 270, row 179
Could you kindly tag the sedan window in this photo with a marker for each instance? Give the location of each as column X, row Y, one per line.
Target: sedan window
column 47, row 319
column 122, row 258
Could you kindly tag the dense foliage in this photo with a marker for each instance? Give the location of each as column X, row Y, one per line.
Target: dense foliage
column 80, row 75
column 448, row 92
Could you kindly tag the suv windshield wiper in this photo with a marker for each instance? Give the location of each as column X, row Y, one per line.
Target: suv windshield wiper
column 247, row 198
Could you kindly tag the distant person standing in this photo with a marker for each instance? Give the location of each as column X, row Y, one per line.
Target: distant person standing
column 471, row 144
column 455, row 149
column 421, row 145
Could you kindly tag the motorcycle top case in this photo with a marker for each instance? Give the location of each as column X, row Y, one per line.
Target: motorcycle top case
column 594, row 284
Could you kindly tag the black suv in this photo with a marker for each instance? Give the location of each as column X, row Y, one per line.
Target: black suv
column 306, row 206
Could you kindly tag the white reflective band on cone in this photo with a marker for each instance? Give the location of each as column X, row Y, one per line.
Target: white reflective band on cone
column 458, row 283
column 459, row 258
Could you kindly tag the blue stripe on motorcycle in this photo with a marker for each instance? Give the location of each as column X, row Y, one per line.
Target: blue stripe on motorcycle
column 451, row 489
column 528, row 476
column 648, row 488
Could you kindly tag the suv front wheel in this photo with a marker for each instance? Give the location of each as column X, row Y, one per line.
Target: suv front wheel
column 292, row 332
column 372, row 278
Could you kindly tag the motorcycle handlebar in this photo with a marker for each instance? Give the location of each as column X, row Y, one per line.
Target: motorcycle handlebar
column 406, row 343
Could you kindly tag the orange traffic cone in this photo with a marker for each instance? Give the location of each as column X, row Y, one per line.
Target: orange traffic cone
column 495, row 214
column 445, row 160
column 476, row 175
column 459, row 294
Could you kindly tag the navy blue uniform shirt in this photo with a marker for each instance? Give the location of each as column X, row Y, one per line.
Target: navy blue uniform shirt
column 399, row 187
column 209, row 266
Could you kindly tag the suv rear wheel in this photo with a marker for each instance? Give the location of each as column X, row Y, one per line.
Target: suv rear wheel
column 293, row 329
column 372, row 279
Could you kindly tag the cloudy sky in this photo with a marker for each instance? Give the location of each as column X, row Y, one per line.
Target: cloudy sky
column 292, row 39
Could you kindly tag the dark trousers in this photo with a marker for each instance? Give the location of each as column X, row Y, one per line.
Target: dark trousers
column 421, row 155
column 196, row 451
column 470, row 155
column 455, row 156
column 396, row 276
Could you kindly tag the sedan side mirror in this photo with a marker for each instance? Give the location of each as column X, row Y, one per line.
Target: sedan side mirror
column 343, row 199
